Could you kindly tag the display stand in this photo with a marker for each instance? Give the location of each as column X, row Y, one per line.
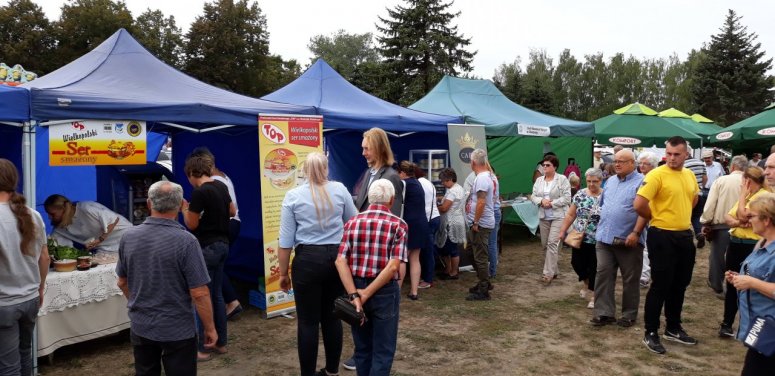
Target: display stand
column 432, row 161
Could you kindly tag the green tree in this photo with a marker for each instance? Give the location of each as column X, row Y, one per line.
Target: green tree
column 343, row 51
column 594, row 85
column 160, row 36
column 228, row 46
column 731, row 82
column 419, row 46
column 280, row 72
column 84, row 24
column 538, row 93
column 26, row 36
column 508, row 79
column 567, row 86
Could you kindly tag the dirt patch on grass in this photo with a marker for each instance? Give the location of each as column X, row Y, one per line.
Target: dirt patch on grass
column 527, row 328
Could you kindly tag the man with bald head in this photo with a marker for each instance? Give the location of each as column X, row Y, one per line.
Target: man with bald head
column 769, row 170
column 619, row 244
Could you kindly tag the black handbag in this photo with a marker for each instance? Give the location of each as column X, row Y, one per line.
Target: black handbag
column 345, row 310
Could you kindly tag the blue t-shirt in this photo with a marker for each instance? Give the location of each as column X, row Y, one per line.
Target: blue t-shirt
column 161, row 262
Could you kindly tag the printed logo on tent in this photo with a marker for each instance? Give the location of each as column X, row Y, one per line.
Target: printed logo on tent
column 767, row 131
column 273, row 133
column 624, row 140
column 724, row 135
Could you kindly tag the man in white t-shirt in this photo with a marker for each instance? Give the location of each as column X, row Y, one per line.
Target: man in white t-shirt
column 481, row 219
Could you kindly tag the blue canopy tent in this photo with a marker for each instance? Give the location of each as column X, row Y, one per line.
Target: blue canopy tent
column 14, row 112
column 351, row 111
column 511, row 130
column 120, row 79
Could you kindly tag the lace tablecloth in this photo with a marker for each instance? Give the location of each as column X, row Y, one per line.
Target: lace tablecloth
column 64, row 290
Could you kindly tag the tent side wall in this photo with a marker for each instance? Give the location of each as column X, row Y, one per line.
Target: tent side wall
column 515, row 158
column 237, row 157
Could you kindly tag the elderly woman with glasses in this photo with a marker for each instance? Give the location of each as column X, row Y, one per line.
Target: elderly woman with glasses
column 551, row 192
column 583, row 215
column 756, row 280
column 741, row 241
column 647, row 161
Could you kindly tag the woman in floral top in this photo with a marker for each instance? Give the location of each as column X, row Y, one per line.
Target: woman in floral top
column 584, row 215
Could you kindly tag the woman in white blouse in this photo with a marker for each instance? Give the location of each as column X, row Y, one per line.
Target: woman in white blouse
column 551, row 193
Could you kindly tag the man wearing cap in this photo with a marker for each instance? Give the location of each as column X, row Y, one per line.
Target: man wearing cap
column 597, row 158
column 713, row 169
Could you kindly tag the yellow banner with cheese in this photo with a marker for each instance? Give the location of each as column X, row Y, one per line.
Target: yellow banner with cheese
column 283, row 145
column 97, row 142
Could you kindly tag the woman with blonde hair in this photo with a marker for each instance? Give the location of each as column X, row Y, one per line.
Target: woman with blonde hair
column 754, row 280
column 312, row 220
column 23, row 270
column 741, row 240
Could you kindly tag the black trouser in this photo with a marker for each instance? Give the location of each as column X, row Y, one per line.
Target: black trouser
column 584, row 262
column 697, row 213
column 736, row 254
column 757, row 364
column 671, row 256
column 178, row 357
column 316, row 284
column 229, row 295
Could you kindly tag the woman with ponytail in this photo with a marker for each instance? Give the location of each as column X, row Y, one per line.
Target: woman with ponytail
column 24, row 263
column 312, row 220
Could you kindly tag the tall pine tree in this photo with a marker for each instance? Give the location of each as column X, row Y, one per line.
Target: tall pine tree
column 731, row 81
column 419, row 47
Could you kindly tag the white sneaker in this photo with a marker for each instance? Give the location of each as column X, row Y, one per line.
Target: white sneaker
column 591, row 304
column 583, row 293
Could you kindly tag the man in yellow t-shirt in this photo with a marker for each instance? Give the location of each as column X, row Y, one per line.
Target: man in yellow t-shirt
column 666, row 197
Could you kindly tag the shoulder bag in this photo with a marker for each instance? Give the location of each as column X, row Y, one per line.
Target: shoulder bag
column 761, row 335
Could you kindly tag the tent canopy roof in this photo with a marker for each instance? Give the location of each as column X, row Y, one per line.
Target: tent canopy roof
column 14, row 104
column 120, row 79
column 480, row 102
column 344, row 106
column 758, row 127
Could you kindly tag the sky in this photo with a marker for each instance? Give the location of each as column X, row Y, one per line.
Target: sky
column 502, row 30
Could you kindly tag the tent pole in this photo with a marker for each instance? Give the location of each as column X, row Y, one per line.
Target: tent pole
column 28, row 171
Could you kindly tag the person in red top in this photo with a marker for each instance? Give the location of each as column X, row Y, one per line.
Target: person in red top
column 373, row 246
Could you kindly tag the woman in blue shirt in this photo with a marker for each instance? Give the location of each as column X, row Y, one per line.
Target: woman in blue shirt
column 756, row 282
column 312, row 220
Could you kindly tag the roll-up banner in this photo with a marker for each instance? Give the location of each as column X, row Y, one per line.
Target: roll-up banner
column 463, row 140
column 284, row 141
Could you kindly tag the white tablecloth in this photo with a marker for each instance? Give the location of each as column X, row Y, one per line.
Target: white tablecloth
column 79, row 306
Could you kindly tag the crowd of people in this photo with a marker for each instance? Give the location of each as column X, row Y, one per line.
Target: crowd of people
column 638, row 217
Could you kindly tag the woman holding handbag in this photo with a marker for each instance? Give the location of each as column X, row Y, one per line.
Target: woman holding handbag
column 582, row 218
column 756, row 288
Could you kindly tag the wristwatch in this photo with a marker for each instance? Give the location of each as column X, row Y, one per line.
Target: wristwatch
column 354, row 295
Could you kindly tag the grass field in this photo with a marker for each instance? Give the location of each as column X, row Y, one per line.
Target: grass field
column 527, row 328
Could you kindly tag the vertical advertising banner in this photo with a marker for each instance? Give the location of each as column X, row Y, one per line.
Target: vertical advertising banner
column 97, row 142
column 284, row 141
column 463, row 139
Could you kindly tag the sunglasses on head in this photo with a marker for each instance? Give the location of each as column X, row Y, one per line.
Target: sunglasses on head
column 548, row 165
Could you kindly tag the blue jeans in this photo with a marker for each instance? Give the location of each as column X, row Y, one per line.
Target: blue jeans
column 493, row 246
column 375, row 341
column 16, row 325
column 428, row 253
column 215, row 257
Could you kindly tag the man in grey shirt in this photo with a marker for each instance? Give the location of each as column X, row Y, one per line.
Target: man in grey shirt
column 161, row 270
column 481, row 219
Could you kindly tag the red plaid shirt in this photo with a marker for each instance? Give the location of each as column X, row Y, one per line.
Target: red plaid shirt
column 371, row 239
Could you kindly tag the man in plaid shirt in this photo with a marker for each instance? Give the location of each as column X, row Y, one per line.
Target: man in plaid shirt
column 373, row 246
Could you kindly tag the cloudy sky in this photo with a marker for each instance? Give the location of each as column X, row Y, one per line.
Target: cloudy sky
column 502, row 30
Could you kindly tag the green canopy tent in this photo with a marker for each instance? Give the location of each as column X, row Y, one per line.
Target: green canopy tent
column 697, row 124
column 756, row 133
column 517, row 137
column 638, row 125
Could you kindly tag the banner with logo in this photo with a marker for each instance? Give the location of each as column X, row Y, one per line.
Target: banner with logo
column 283, row 145
column 463, row 139
column 97, row 142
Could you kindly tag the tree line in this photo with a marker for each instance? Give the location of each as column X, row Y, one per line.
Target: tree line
column 417, row 43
